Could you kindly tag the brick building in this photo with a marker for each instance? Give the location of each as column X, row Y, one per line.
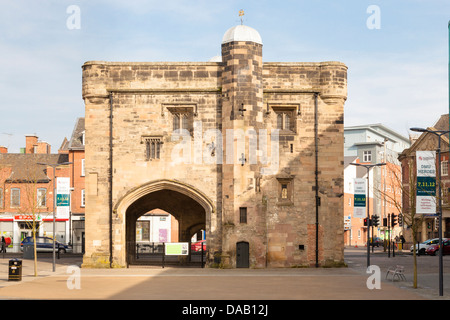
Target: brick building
column 76, row 155
column 249, row 151
column 26, row 189
column 428, row 229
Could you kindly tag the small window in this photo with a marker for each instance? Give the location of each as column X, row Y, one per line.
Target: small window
column 182, row 120
column 15, row 197
column 41, row 197
column 83, row 198
column 285, row 190
column 142, row 230
column 153, row 148
column 82, row 167
column 367, row 156
column 285, row 117
column 444, row 168
column 284, row 120
column 243, row 215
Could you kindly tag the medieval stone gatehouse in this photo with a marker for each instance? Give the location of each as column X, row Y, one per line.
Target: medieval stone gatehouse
column 249, row 151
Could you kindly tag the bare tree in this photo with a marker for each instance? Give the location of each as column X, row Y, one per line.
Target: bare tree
column 402, row 196
column 34, row 206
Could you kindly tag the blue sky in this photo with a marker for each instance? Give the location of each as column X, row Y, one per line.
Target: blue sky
column 398, row 74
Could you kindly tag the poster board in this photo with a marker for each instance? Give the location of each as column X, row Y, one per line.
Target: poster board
column 176, row 248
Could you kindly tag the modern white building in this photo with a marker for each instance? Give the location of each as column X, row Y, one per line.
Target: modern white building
column 371, row 144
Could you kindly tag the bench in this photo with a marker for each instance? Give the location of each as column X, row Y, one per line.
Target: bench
column 397, row 271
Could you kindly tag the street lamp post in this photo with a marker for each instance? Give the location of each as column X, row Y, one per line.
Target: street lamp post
column 368, row 167
column 54, row 165
column 438, row 133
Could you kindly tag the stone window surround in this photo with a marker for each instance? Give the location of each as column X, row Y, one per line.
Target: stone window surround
column 286, row 109
column 152, row 141
column 285, row 190
column 181, row 109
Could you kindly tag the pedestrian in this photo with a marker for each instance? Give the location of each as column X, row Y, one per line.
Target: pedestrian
column 3, row 244
column 402, row 239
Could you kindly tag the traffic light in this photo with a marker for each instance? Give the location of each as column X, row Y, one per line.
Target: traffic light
column 436, row 223
column 375, row 221
column 400, row 220
column 385, row 222
column 393, row 220
column 367, row 224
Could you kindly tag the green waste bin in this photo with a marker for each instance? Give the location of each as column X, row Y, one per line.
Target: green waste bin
column 15, row 270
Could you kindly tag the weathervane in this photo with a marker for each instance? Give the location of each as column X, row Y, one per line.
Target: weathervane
column 241, row 14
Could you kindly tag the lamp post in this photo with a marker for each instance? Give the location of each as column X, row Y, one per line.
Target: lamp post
column 438, row 133
column 54, row 165
column 368, row 167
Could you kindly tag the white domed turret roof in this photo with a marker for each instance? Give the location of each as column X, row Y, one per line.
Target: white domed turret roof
column 216, row 59
column 241, row 33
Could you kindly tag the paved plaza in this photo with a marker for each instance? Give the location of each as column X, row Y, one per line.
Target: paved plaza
column 68, row 282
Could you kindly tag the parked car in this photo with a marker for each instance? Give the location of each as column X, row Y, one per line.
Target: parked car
column 421, row 248
column 197, row 246
column 45, row 244
column 433, row 250
column 376, row 242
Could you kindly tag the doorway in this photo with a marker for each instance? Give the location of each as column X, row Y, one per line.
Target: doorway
column 242, row 255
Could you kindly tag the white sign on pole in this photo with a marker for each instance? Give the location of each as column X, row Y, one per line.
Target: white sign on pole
column 359, row 200
column 62, row 197
column 426, row 182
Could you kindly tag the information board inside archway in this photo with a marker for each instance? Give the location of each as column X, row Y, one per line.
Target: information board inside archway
column 176, row 248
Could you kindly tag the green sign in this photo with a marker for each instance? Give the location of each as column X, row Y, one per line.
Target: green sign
column 359, row 200
column 176, row 248
column 426, row 186
column 62, row 200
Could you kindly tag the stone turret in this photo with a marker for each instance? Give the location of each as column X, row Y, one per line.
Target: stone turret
column 242, row 113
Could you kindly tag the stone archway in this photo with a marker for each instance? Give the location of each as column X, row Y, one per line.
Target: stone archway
column 189, row 206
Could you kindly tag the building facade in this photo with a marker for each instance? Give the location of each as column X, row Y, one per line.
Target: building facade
column 355, row 231
column 26, row 189
column 76, row 156
column 428, row 224
column 249, row 151
column 372, row 144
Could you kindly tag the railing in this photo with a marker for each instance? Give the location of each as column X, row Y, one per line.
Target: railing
column 153, row 253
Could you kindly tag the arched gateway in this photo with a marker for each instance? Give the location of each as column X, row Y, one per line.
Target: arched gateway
column 189, row 206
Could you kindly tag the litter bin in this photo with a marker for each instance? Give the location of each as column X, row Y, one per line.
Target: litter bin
column 28, row 251
column 15, row 270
